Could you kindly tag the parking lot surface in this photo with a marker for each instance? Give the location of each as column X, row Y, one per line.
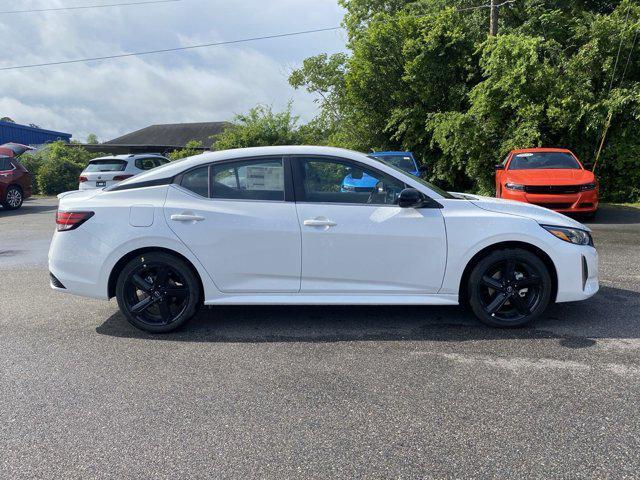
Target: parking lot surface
column 316, row 392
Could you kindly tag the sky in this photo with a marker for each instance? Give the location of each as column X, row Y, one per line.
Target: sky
column 114, row 97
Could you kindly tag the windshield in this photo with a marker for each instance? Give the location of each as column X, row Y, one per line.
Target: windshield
column 540, row 160
column 106, row 165
column 438, row 190
column 404, row 162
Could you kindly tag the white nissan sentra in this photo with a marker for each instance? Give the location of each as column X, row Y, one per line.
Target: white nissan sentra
column 273, row 225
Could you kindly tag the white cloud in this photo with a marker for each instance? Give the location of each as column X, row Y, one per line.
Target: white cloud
column 114, row 97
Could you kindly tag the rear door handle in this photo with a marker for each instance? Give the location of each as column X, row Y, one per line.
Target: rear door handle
column 184, row 217
column 316, row 222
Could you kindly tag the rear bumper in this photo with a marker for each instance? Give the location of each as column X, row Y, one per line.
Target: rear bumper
column 583, row 202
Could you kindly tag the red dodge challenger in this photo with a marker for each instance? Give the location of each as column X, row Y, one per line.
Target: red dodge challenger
column 550, row 177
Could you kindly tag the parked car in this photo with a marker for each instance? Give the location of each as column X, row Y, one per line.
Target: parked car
column 179, row 237
column 107, row 171
column 15, row 180
column 355, row 182
column 549, row 177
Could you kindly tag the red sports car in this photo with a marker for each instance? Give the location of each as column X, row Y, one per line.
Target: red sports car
column 550, row 177
column 15, row 180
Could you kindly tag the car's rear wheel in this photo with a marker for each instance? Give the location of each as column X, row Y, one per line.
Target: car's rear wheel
column 157, row 292
column 509, row 288
column 13, row 198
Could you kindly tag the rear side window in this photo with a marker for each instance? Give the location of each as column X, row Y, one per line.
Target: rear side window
column 5, row 164
column 197, row 181
column 106, row 165
column 249, row 180
column 147, row 163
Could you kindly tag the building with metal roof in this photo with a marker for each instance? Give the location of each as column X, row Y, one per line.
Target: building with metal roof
column 29, row 135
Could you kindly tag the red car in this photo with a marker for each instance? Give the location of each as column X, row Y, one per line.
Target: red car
column 550, row 177
column 15, row 180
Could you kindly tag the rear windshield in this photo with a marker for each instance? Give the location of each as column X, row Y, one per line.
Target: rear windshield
column 540, row 160
column 106, row 165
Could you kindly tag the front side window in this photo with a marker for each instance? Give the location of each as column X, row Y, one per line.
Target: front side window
column 106, row 165
column 328, row 180
column 540, row 160
column 197, row 180
column 403, row 162
column 249, row 180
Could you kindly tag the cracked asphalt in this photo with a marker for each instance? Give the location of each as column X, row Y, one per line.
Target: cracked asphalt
column 322, row 392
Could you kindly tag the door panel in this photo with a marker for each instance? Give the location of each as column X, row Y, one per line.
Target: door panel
column 245, row 245
column 373, row 249
column 359, row 240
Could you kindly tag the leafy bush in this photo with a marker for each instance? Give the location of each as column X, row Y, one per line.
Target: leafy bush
column 56, row 167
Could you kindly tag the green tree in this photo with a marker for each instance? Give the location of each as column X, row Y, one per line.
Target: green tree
column 259, row 127
column 92, row 139
column 193, row 147
column 424, row 76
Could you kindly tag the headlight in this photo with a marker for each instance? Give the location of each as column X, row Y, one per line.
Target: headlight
column 571, row 235
column 514, row 186
column 588, row 186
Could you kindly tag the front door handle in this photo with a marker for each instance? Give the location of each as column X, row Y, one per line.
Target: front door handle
column 185, row 217
column 318, row 222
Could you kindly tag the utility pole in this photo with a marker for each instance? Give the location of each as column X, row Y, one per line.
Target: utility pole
column 493, row 19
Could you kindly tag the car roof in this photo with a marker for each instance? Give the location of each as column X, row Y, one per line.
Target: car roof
column 540, row 150
column 390, row 152
column 176, row 167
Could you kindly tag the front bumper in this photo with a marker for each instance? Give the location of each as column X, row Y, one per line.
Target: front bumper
column 577, row 271
column 583, row 202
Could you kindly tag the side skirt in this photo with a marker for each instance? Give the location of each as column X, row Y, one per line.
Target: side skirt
column 333, row 299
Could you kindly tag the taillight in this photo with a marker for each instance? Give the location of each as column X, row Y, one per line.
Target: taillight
column 82, row 178
column 70, row 220
column 121, row 177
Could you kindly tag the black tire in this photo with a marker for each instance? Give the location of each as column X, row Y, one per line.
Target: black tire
column 509, row 288
column 13, row 198
column 158, row 292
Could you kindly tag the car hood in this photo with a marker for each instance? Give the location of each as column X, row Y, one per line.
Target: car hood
column 541, row 215
column 550, row 176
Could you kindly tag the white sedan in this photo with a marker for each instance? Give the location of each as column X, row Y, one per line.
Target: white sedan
column 273, row 225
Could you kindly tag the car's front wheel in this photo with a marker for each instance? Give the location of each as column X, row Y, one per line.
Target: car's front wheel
column 13, row 198
column 509, row 288
column 157, row 292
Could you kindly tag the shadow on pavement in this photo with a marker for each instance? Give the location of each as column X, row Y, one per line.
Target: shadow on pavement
column 615, row 215
column 580, row 322
column 26, row 209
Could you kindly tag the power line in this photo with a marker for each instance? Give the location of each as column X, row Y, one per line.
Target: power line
column 166, row 50
column 85, row 7
column 486, row 6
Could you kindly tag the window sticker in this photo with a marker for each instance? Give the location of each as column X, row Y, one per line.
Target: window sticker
column 260, row 177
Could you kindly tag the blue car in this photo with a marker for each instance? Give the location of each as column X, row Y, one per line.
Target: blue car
column 363, row 182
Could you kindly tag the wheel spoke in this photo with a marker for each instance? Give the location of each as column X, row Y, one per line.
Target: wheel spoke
column 142, row 305
column 518, row 302
column 162, row 275
column 509, row 271
column 141, row 283
column 497, row 303
column 491, row 282
column 179, row 292
column 531, row 281
column 165, row 312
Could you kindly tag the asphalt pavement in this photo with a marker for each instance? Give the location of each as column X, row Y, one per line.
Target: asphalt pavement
column 317, row 392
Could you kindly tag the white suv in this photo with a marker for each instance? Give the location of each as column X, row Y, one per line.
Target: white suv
column 106, row 171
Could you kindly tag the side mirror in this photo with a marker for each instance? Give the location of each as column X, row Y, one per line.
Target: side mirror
column 410, row 198
column 499, row 167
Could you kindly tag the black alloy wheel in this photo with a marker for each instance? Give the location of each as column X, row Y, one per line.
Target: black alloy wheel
column 157, row 292
column 509, row 288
